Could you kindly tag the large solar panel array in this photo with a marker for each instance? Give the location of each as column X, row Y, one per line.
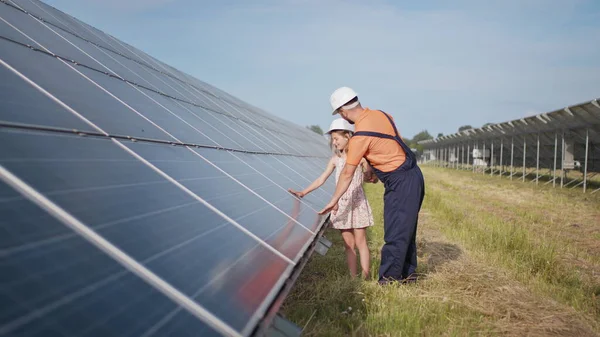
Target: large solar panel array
column 136, row 200
column 550, row 144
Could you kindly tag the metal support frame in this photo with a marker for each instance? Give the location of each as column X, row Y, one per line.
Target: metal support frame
column 512, row 152
column 549, row 173
column 468, row 151
column 475, row 147
column 582, row 182
column 537, row 165
column 443, row 162
column 281, row 327
column 323, row 246
column 492, row 159
column 462, row 157
column 501, row 155
column 587, row 141
column 562, row 161
column 549, row 180
column 569, row 183
column 456, row 154
column 524, row 155
column 453, row 151
column 458, row 157
column 483, row 157
column 446, row 156
column 555, row 152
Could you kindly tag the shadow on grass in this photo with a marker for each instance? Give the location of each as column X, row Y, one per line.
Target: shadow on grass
column 437, row 254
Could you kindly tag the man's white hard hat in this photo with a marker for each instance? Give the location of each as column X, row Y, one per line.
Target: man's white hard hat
column 340, row 124
column 340, row 97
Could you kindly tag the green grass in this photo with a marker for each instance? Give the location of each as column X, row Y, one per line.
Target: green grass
column 495, row 263
column 324, row 292
column 531, row 258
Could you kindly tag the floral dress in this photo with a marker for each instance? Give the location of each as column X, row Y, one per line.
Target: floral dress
column 353, row 208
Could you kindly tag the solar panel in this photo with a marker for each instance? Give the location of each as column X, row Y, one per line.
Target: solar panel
column 71, row 287
column 561, row 140
column 138, row 200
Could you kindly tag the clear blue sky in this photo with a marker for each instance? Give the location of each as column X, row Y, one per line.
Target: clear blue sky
column 433, row 66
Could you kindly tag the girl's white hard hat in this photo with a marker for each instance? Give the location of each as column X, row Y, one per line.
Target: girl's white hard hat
column 340, row 124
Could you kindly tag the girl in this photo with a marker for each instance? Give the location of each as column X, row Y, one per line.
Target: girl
column 354, row 212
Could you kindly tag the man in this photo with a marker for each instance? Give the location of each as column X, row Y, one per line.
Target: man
column 377, row 140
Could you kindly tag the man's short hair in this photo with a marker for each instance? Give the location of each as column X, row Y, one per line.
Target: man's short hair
column 353, row 103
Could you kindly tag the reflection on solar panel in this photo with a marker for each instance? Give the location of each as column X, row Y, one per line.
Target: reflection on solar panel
column 545, row 146
column 136, row 200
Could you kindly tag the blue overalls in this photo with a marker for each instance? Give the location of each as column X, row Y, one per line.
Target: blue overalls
column 404, row 193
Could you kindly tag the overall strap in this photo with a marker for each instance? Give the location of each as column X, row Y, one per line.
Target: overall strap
column 382, row 135
column 373, row 134
column 407, row 151
column 391, row 122
column 410, row 157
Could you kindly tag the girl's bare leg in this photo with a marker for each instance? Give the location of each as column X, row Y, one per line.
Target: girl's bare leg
column 360, row 240
column 348, row 236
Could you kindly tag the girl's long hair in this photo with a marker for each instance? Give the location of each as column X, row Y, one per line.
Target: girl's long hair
column 344, row 133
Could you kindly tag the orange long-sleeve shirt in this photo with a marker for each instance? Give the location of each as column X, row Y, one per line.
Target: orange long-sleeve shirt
column 383, row 154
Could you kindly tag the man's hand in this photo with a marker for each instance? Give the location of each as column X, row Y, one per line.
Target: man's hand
column 370, row 177
column 368, row 173
column 298, row 194
column 329, row 208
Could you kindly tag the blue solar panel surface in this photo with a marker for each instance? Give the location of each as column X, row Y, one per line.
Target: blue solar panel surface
column 136, row 200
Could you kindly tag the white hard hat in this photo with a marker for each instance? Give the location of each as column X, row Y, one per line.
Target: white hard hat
column 340, row 97
column 340, row 124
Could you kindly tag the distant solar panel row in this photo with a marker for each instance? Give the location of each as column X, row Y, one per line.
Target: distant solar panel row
column 560, row 140
column 136, row 200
